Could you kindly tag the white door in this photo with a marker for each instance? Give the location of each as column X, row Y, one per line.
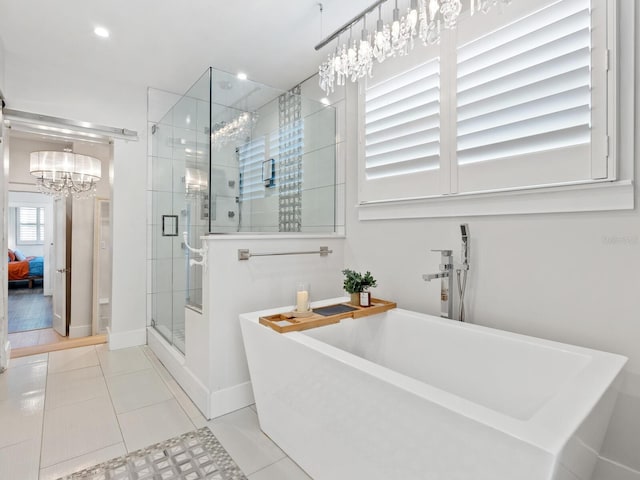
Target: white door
column 60, row 266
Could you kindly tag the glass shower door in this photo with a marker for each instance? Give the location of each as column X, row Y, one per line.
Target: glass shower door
column 180, row 204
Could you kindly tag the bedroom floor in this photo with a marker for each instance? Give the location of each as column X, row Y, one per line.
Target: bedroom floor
column 28, row 309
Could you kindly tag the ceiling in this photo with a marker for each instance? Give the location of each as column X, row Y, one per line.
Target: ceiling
column 168, row 45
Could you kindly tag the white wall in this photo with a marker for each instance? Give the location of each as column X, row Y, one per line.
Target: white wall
column 567, row 277
column 75, row 95
column 2, row 67
column 128, row 316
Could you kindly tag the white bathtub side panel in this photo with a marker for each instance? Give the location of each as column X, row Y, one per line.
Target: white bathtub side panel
column 337, row 422
column 581, row 453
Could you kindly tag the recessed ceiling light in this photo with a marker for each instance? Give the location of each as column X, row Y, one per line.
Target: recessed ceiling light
column 101, row 32
column 325, row 101
column 242, row 76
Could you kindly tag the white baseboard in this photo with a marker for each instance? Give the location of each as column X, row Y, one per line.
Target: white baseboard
column 211, row 404
column 130, row 338
column 80, row 331
column 174, row 361
column 609, row 470
column 231, row 399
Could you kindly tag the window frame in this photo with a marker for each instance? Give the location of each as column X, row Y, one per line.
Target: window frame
column 613, row 193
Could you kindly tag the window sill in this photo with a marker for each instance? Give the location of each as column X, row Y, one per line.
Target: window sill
column 589, row 197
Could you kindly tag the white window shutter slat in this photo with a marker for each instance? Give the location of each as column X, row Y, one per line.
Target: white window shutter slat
column 402, row 126
column 522, row 91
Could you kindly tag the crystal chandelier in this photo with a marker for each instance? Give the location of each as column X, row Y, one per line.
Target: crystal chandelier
column 424, row 19
column 65, row 173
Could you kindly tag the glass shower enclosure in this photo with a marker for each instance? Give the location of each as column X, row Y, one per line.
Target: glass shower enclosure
column 231, row 156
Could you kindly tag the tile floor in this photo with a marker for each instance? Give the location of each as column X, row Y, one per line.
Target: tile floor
column 64, row 411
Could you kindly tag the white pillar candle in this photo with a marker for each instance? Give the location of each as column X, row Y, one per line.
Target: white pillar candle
column 302, row 301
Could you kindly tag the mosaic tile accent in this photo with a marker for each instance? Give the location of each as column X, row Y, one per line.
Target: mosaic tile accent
column 192, row 456
column 290, row 161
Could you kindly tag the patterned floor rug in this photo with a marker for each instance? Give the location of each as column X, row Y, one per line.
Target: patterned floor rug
column 192, row 456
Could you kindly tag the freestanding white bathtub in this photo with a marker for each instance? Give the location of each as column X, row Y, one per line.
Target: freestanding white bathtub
column 403, row 395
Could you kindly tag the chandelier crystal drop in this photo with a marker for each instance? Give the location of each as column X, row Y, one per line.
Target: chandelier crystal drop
column 424, row 20
column 61, row 174
column 382, row 42
column 237, row 129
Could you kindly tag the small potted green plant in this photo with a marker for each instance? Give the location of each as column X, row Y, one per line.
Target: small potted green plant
column 356, row 283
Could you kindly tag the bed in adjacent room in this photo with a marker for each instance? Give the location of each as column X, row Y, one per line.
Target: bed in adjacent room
column 23, row 268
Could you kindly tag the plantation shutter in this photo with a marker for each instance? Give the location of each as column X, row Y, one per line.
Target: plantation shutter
column 402, row 133
column 524, row 102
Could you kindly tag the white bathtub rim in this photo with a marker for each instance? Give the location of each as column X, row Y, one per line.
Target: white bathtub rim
column 544, row 430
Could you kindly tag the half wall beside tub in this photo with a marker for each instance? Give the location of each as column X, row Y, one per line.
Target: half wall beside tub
column 213, row 370
column 412, row 396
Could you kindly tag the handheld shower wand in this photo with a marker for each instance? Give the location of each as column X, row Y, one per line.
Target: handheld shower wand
column 464, row 231
column 464, row 268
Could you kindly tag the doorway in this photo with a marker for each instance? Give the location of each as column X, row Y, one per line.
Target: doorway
column 29, row 231
column 55, row 309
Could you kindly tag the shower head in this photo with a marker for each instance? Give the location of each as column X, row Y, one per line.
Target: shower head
column 464, row 231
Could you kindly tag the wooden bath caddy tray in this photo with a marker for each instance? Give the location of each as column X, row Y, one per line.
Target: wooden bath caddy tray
column 286, row 322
